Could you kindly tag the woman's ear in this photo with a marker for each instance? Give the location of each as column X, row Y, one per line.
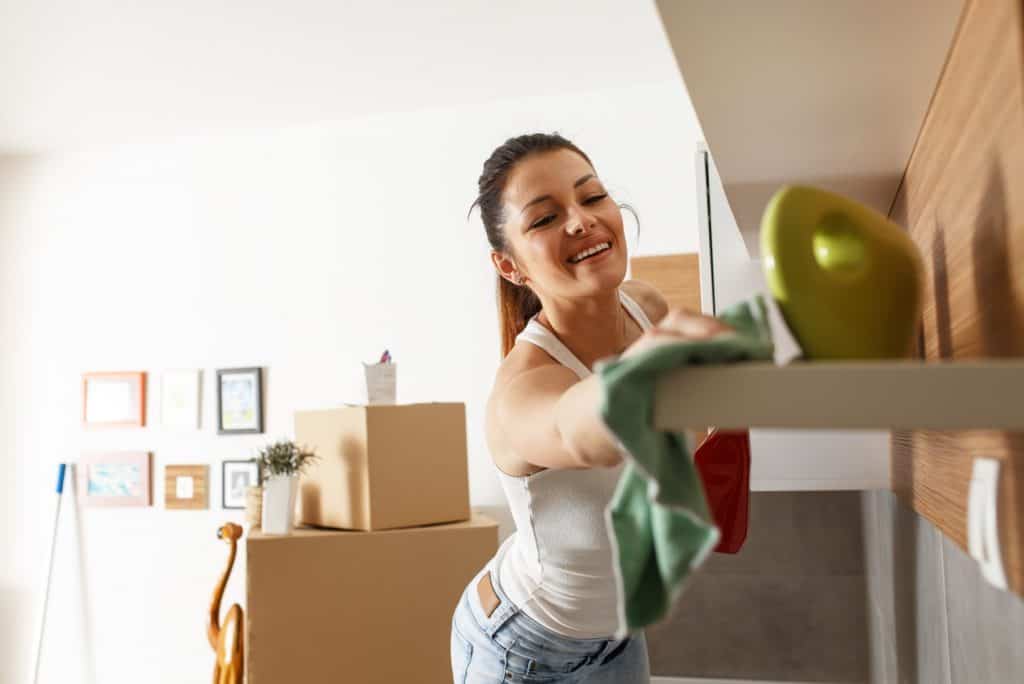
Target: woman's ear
column 506, row 267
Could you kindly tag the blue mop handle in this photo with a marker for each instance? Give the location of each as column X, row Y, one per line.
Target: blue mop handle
column 49, row 575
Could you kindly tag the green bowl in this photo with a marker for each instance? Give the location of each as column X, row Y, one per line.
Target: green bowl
column 847, row 279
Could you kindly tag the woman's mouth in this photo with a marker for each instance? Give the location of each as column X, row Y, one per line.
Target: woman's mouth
column 590, row 252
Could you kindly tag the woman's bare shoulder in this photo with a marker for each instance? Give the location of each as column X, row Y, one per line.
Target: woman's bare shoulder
column 648, row 297
column 521, row 359
column 524, row 378
column 526, row 369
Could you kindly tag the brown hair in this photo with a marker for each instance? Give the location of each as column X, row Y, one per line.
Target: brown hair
column 516, row 303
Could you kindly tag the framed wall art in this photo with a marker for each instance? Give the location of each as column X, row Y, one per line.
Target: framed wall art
column 186, row 487
column 180, row 399
column 239, row 401
column 114, row 399
column 114, row 478
column 236, row 477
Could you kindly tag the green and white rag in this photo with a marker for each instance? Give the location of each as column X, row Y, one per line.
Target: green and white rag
column 659, row 520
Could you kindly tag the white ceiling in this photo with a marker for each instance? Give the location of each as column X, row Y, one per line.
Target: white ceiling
column 76, row 71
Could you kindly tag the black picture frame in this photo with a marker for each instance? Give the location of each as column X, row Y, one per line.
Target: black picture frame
column 257, row 401
column 248, row 463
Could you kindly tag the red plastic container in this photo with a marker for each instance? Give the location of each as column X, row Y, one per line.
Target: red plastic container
column 723, row 461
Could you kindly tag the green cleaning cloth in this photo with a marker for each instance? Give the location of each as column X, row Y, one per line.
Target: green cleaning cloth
column 658, row 519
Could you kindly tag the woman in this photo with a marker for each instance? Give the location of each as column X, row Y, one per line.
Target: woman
column 544, row 608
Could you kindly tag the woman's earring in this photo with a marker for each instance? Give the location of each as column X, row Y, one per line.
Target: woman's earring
column 518, row 279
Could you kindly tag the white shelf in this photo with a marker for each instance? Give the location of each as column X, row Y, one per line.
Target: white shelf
column 852, row 395
column 830, row 94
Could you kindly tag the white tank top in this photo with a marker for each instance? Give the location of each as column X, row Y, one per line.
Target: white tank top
column 558, row 565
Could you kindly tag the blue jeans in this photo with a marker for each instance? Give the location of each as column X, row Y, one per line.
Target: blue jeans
column 510, row 646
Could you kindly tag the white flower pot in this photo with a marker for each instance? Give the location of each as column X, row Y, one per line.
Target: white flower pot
column 279, row 503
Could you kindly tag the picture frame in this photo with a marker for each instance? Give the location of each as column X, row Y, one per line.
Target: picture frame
column 239, row 401
column 181, row 399
column 114, row 399
column 114, row 478
column 186, row 487
column 236, row 476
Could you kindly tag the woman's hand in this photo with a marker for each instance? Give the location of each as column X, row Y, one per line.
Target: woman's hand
column 679, row 325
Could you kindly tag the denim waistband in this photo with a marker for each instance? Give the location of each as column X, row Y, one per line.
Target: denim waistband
column 507, row 610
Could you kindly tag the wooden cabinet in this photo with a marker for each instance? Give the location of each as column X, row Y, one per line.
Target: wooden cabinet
column 913, row 108
column 963, row 203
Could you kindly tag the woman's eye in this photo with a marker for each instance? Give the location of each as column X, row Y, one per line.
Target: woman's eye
column 595, row 198
column 539, row 223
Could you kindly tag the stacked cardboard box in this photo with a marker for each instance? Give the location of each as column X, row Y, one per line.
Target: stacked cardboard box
column 382, row 467
column 372, row 600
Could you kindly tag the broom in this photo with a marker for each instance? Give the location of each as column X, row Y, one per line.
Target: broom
column 49, row 575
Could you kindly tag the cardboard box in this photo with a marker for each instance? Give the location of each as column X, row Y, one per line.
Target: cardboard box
column 366, row 607
column 383, row 467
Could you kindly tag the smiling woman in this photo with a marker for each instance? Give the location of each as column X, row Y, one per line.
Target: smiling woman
column 546, row 604
column 543, row 226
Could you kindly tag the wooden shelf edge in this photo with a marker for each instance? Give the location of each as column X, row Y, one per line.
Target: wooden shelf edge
column 848, row 395
column 798, row 484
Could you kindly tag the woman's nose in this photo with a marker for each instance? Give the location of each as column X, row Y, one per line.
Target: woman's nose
column 579, row 222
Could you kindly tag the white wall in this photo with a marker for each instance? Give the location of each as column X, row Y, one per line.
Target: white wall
column 304, row 250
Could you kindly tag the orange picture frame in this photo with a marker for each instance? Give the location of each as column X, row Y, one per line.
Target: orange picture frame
column 114, row 399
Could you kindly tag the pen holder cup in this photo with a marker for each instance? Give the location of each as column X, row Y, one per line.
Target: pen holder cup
column 380, row 382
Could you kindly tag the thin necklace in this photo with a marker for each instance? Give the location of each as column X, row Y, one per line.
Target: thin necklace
column 624, row 337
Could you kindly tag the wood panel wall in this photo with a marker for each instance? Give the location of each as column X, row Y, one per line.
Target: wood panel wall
column 962, row 200
column 677, row 276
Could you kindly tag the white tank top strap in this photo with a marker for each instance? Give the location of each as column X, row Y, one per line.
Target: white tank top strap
column 535, row 333
column 636, row 311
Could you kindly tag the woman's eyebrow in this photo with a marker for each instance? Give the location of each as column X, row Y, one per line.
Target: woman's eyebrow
column 577, row 184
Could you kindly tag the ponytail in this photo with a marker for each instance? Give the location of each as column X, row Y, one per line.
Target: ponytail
column 517, row 304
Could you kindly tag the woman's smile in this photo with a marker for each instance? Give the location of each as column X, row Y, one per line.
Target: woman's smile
column 592, row 253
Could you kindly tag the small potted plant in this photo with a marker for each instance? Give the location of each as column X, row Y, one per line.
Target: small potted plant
column 281, row 462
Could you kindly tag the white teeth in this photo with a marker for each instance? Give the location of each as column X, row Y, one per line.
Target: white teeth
column 590, row 252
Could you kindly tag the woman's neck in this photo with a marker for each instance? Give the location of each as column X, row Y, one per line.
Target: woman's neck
column 592, row 328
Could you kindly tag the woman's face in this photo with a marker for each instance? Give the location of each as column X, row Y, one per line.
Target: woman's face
column 563, row 230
